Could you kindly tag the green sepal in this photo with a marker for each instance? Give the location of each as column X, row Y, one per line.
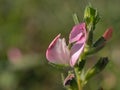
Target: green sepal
column 91, row 17
column 59, row 66
column 100, row 42
column 70, row 82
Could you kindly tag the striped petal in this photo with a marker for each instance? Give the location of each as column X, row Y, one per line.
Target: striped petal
column 78, row 33
column 76, row 51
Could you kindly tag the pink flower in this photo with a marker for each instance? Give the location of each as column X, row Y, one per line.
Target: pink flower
column 14, row 55
column 79, row 36
column 58, row 51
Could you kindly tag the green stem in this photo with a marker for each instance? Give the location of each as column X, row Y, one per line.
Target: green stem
column 77, row 72
column 90, row 38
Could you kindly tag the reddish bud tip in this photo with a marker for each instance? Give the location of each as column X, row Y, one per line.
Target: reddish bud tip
column 108, row 34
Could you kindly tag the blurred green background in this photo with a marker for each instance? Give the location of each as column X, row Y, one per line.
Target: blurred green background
column 28, row 26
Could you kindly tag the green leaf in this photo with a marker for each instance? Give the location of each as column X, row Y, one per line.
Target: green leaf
column 75, row 18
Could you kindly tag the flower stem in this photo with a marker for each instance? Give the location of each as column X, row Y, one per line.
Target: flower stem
column 77, row 72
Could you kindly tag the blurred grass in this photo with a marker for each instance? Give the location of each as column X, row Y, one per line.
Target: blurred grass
column 30, row 25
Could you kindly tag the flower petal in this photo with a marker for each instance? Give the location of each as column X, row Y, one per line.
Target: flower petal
column 108, row 34
column 58, row 52
column 76, row 51
column 77, row 33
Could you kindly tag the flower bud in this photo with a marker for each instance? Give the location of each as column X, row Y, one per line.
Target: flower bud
column 98, row 67
column 91, row 17
column 100, row 43
column 101, row 64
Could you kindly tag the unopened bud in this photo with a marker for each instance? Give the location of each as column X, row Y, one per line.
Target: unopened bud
column 100, row 43
column 91, row 17
column 98, row 67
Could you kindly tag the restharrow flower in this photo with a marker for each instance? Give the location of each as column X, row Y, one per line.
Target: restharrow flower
column 58, row 51
column 78, row 35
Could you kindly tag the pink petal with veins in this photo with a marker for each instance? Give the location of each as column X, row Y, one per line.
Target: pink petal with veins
column 76, row 51
column 77, row 34
column 58, row 52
